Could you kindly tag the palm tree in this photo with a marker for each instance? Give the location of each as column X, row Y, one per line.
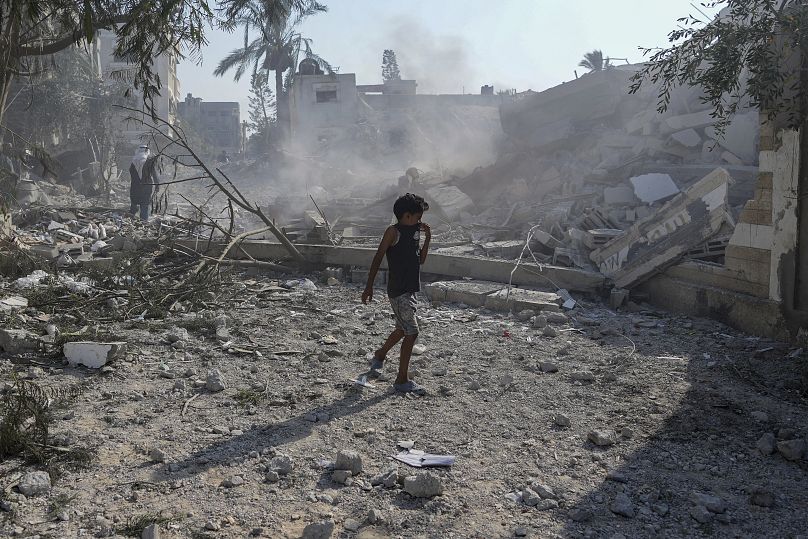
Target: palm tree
column 277, row 46
column 594, row 61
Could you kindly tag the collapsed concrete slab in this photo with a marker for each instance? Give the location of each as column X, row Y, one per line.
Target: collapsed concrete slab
column 654, row 243
column 484, row 269
column 93, row 354
column 652, row 187
column 494, row 296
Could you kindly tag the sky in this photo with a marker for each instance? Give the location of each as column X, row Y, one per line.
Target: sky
column 456, row 46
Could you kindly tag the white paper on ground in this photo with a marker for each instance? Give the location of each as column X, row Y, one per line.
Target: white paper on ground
column 425, row 459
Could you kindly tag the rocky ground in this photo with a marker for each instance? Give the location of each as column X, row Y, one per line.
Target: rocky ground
column 229, row 424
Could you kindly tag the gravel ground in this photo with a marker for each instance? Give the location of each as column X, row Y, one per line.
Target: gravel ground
column 679, row 406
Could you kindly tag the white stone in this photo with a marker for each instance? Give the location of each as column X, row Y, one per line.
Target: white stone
column 688, row 138
column 349, row 460
column 93, row 354
column 652, row 187
column 424, row 485
column 34, row 483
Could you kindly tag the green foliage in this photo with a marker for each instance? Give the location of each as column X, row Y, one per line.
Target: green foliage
column 136, row 523
column 32, row 29
column 271, row 43
column 25, row 418
column 594, row 61
column 262, row 104
column 390, row 69
column 59, row 503
column 246, row 397
column 744, row 56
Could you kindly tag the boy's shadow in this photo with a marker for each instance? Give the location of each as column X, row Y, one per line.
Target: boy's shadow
column 276, row 435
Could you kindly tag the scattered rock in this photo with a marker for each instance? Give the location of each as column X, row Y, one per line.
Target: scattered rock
column 351, row 525
column 281, row 464
column 714, row 504
column 157, row 455
column 212, row 526
column 530, row 498
column 580, row 515
column 540, row 322
column 550, row 331
column 602, row 438
column 557, row 318
column 418, row 350
column 560, row 420
column 424, row 485
column 548, row 366
column 272, row 476
column 375, row 517
column 34, row 484
column 544, row 491
column 583, row 376
column 544, row 505
column 521, row 531
column 701, row 514
column 215, row 382
column 341, row 476
column 616, row 476
column 349, row 460
column 621, row 505
column 767, row 443
column 758, row 415
column 152, row 531
column 233, row 481
column 319, row 530
column 762, row 497
column 791, row 449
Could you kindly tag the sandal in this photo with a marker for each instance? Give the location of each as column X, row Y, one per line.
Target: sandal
column 410, row 386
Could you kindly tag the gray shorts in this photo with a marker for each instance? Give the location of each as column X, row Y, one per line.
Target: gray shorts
column 404, row 311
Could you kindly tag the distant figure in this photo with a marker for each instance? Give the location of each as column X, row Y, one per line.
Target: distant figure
column 401, row 245
column 223, row 157
column 143, row 178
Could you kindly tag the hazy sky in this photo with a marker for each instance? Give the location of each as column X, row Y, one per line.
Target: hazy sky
column 452, row 45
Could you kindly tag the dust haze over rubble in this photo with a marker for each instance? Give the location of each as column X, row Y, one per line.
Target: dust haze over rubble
column 609, row 337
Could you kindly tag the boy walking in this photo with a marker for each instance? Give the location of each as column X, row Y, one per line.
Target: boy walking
column 401, row 245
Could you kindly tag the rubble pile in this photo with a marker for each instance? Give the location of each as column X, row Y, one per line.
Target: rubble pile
column 587, row 163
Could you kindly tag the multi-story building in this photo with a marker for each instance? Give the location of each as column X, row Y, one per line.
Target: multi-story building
column 218, row 122
column 165, row 66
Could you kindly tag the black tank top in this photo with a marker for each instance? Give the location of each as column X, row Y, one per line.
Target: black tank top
column 404, row 262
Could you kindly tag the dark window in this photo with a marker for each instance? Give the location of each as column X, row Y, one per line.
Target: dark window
column 326, row 96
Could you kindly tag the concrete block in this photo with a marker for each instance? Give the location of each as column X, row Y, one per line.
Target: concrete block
column 695, row 120
column 472, row 293
column 450, row 200
column 731, row 158
column 18, row 341
column 660, row 240
column 622, row 195
column 653, row 187
column 93, row 354
column 520, row 299
column 688, row 138
column 740, row 137
column 509, row 249
column 45, row 251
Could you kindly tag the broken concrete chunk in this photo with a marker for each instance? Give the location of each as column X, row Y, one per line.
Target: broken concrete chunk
column 688, row 121
column 602, row 438
column 791, row 449
column 653, row 187
column 424, row 485
column 215, row 381
column 93, row 354
column 18, row 341
column 319, row 530
column 34, row 484
column 688, row 138
column 349, row 460
column 622, row 195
